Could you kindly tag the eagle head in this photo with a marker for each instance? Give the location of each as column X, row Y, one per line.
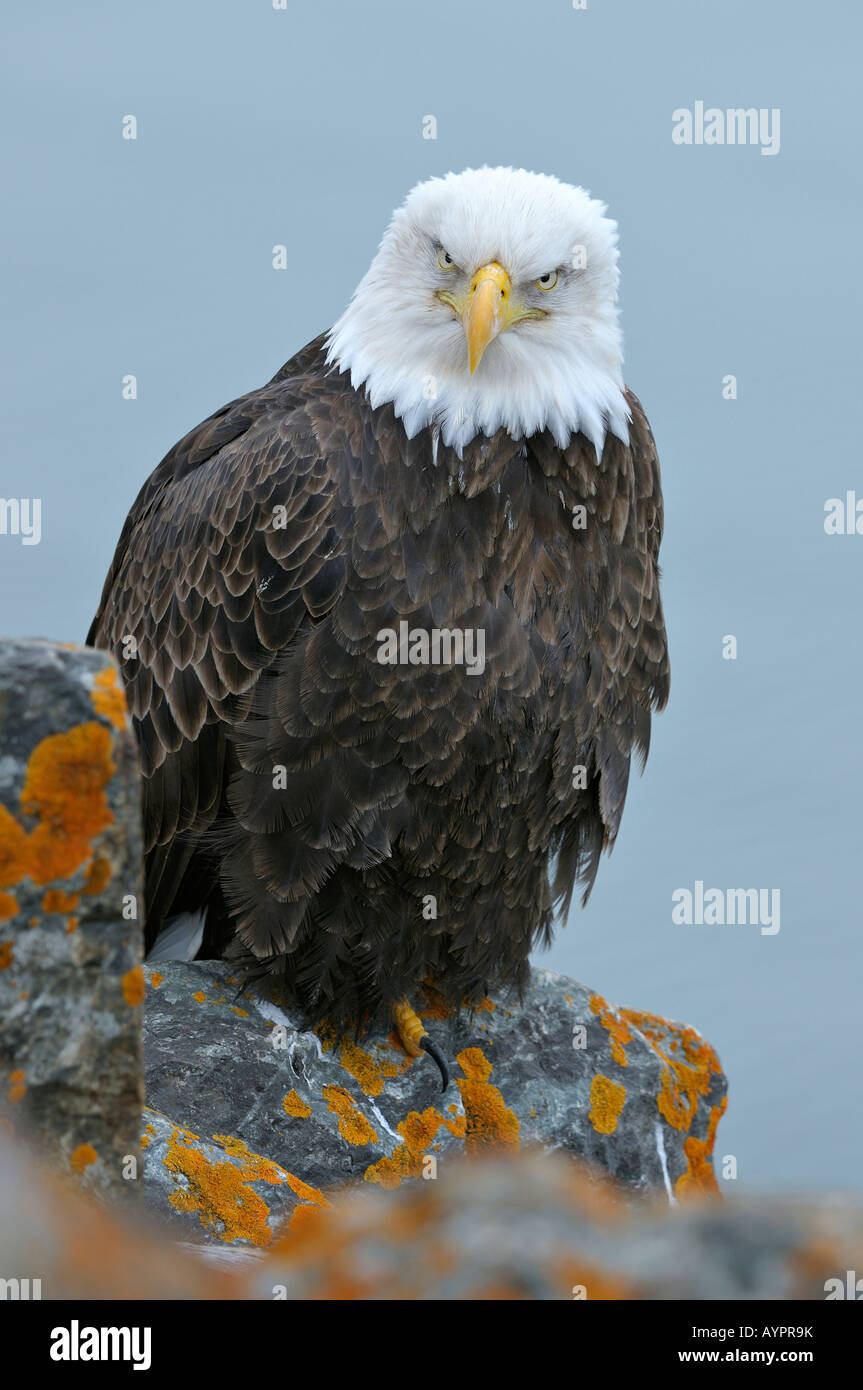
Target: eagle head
column 491, row 304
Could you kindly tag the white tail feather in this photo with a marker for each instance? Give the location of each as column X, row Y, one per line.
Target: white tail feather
column 180, row 938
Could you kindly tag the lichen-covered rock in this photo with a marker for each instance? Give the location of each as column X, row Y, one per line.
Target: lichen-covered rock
column 58, row 1244
column 513, row 1225
column 535, row 1227
column 71, row 983
column 252, row 1122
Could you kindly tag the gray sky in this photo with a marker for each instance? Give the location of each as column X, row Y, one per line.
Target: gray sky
column 304, row 127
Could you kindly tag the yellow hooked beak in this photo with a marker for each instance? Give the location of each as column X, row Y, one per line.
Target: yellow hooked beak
column 487, row 310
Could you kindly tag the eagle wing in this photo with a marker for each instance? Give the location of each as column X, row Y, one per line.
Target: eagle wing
column 199, row 603
column 622, row 634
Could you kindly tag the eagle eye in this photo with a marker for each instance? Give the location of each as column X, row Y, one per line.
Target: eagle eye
column 548, row 281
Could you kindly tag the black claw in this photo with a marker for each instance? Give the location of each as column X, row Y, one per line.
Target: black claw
column 435, row 1053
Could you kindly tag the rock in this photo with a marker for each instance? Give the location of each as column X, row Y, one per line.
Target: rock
column 58, row 1244
column 531, row 1226
column 251, row 1121
column 71, row 983
column 516, row 1225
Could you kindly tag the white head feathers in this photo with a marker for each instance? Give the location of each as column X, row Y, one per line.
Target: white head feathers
column 559, row 370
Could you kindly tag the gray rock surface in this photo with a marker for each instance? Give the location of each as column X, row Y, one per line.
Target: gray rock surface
column 250, row 1119
column 71, row 985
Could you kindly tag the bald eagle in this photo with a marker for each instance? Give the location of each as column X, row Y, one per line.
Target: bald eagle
column 390, row 626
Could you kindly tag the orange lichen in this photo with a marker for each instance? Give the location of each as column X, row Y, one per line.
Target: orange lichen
column 488, row 1122
column 304, row 1217
column 17, row 1089
column 64, row 792
column 606, row 1102
column 8, row 906
column 108, row 698
column 156, row 979
column 98, row 876
column 219, row 1193
column 200, row 996
column 368, row 1073
column 305, row 1192
column 618, row 1028
column 353, row 1125
column 457, row 1125
column 235, row 1009
column 419, row 1127
column 55, row 900
column 699, row 1179
column 133, row 985
column 238, row 1148
column 82, row 1157
column 475, row 1064
column 71, row 924
column 14, row 848
column 5, row 954
column 682, row 1079
column 148, row 1136
column 294, row 1105
column 417, row 1130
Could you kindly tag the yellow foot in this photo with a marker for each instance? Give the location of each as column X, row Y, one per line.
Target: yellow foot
column 415, row 1040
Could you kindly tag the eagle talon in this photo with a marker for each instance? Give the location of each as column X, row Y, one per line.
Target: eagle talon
column 415, row 1039
column 435, row 1053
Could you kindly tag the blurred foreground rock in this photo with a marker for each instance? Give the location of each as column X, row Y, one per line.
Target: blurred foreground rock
column 71, row 984
column 520, row 1226
column 250, row 1119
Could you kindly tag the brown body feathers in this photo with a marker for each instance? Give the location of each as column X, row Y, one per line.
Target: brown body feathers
column 360, row 826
